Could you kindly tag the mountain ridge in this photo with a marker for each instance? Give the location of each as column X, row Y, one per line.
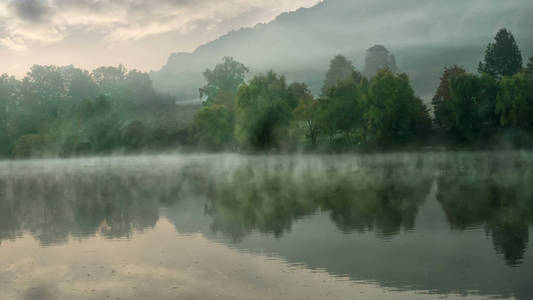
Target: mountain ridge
column 424, row 36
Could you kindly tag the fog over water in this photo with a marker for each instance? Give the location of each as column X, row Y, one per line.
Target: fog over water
column 228, row 226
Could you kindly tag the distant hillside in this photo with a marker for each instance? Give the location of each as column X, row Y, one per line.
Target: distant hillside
column 424, row 36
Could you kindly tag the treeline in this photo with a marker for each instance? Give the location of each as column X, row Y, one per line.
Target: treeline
column 354, row 112
column 67, row 111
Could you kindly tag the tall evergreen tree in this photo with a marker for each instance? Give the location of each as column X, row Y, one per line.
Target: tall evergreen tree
column 340, row 69
column 502, row 57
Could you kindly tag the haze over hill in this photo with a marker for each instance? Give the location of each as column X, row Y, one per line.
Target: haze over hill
column 424, row 36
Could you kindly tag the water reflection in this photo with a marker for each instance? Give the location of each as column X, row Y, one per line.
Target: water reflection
column 269, row 200
column 500, row 200
column 369, row 217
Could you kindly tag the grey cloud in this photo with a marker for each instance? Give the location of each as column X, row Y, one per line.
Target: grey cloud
column 34, row 11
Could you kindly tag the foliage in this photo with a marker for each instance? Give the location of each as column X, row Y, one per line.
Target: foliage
column 134, row 135
column 515, row 102
column 264, row 112
column 392, row 110
column 223, row 81
column 68, row 111
column 307, row 113
column 443, row 117
column 472, row 106
column 213, row 127
column 345, row 114
column 503, row 57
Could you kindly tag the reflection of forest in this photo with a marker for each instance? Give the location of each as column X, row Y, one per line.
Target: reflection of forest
column 55, row 206
column 383, row 199
column 268, row 195
column 499, row 197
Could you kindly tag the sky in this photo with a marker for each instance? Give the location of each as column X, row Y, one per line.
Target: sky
column 140, row 34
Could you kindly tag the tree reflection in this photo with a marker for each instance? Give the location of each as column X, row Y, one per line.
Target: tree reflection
column 501, row 201
column 381, row 199
column 53, row 207
column 268, row 195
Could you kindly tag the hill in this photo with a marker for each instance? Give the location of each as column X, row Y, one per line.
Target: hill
column 423, row 35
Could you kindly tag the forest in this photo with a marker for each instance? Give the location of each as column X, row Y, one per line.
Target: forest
column 66, row 111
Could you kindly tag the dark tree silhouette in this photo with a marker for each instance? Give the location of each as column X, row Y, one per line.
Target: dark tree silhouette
column 502, row 57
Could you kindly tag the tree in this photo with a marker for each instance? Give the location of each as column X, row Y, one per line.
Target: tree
column 307, row 112
column 421, row 123
column 443, row 118
column 515, row 102
column 391, row 109
column 79, row 84
column 345, row 110
column 340, row 68
column 502, row 57
column 472, row 105
column 264, row 112
column 134, row 135
column 110, row 80
column 8, row 95
column 213, row 127
column 379, row 58
column 224, row 80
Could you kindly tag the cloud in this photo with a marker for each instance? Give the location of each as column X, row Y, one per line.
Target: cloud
column 26, row 22
column 34, row 11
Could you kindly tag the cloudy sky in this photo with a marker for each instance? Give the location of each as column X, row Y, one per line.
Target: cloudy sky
column 138, row 33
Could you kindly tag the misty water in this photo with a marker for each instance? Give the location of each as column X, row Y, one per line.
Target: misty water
column 229, row 226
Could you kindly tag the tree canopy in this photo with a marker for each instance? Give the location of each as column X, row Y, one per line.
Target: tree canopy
column 224, row 79
column 264, row 112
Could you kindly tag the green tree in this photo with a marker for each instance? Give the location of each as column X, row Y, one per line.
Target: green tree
column 46, row 88
column 213, row 127
column 422, row 123
column 264, row 112
column 28, row 145
column 391, row 109
column 443, row 117
column 223, row 82
column 134, row 135
column 79, row 84
column 8, row 97
column 102, row 125
column 515, row 102
column 340, row 68
column 110, row 80
column 502, row 57
column 306, row 114
column 472, row 105
column 345, row 110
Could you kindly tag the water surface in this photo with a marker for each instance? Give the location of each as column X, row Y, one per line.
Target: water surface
column 390, row 226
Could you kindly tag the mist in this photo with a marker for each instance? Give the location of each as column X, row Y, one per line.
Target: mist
column 306, row 149
column 425, row 36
